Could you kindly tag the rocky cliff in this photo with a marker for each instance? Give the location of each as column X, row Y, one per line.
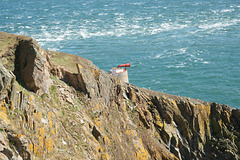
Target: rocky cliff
column 59, row 106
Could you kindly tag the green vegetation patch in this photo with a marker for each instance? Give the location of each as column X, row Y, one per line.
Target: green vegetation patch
column 67, row 61
column 8, row 45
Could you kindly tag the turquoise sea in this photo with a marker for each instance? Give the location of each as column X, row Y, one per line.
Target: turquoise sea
column 189, row 48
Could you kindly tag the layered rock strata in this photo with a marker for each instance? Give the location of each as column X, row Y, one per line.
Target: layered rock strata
column 55, row 105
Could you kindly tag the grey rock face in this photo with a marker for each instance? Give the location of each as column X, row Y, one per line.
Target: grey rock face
column 31, row 66
column 6, row 79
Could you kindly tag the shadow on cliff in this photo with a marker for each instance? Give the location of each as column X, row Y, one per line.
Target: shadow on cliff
column 22, row 62
column 31, row 66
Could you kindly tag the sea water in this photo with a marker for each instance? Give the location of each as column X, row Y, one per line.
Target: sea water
column 189, row 48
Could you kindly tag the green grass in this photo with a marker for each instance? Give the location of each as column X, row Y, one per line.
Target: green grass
column 54, row 96
column 64, row 60
column 8, row 48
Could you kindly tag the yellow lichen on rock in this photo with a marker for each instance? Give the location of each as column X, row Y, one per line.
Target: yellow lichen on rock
column 40, row 145
column 79, row 67
column 128, row 132
column 41, row 142
column 124, row 105
column 99, row 149
column 37, row 151
column 205, row 108
column 3, row 116
column 31, row 147
column 68, row 137
column 31, row 99
column 49, row 144
column 133, row 96
column 157, row 119
column 106, row 140
column 96, row 74
column 98, row 152
column 41, row 132
column 98, row 122
column 141, row 153
column 105, row 156
column 50, row 123
column 3, row 107
column 12, row 106
column 39, row 116
column 169, row 156
column 108, row 118
column 19, row 136
column 202, row 120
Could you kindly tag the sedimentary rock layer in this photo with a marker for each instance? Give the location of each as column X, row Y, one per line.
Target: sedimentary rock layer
column 56, row 105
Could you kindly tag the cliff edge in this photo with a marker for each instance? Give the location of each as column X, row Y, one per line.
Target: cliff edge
column 55, row 105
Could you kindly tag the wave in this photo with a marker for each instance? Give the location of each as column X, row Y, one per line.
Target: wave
column 219, row 25
column 166, row 27
column 211, row 27
column 137, row 3
column 227, row 10
column 180, row 58
column 56, row 32
column 223, row 11
column 235, row 6
column 175, row 52
column 120, row 24
column 119, row 30
column 181, row 65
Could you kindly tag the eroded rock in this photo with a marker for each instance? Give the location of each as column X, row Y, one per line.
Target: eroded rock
column 6, row 80
column 32, row 66
column 92, row 115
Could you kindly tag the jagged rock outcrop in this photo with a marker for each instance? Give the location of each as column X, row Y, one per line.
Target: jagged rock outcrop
column 89, row 114
column 6, row 80
column 9, row 140
column 31, row 64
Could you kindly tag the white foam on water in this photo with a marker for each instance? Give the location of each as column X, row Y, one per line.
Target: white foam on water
column 136, row 26
column 180, row 65
column 165, row 54
column 166, row 27
column 138, row 3
column 205, row 62
column 149, row 18
column 227, row 10
column 137, row 19
column 17, row 17
column 182, row 50
column 212, row 27
column 103, row 14
column 219, row 25
column 119, row 14
column 157, row 82
column 126, row 28
column 106, row 33
column 90, row 28
column 84, row 33
column 121, row 26
column 51, row 36
column 158, row 56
